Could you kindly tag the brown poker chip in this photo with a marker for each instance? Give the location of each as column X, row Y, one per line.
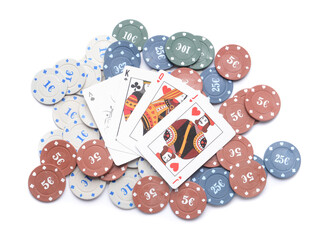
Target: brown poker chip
column 93, row 158
column 190, row 77
column 247, row 179
column 61, row 154
column 212, row 162
column 232, row 62
column 114, row 173
column 188, row 201
column 238, row 150
column 262, row 103
column 46, row 183
column 234, row 111
column 151, row 194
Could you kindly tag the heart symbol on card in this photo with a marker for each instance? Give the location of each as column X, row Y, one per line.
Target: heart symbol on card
column 166, row 89
column 195, row 111
column 174, row 166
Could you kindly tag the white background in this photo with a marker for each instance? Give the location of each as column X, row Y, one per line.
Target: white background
column 287, row 42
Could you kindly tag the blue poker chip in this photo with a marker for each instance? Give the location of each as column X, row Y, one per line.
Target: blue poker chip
column 282, row 160
column 261, row 162
column 154, row 53
column 215, row 182
column 196, row 176
column 118, row 55
column 216, row 87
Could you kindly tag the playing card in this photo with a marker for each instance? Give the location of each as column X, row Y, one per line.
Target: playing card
column 184, row 140
column 100, row 99
column 130, row 92
column 160, row 100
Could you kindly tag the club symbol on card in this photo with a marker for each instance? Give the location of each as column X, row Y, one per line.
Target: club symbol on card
column 195, row 111
column 136, row 86
column 91, row 96
column 174, row 166
column 166, row 89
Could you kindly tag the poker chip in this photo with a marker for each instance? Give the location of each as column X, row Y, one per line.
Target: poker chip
column 234, row 111
column 92, row 73
column 74, row 74
column 85, row 187
column 241, row 93
column 238, row 150
column 97, row 47
column 215, row 87
column 93, row 158
column 282, row 160
column 86, row 116
column 188, row 201
column 118, row 55
column 232, row 62
column 114, row 173
column 151, row 194
column 66, row 111
column 212, row 162
column 247, row 179
column 49, row 86
column 61, row 154
column 79, row 133
column 154, row 53
column 133, row 163
column 182, row 49
column 132, row 31
column 190, row 77
column 50, row 136
column 261, row 162
column 120, row 191
column 262, row 103
column 196, row 176
column 206, row 56
column 145, row 169
column 46, row 183
column 216, row 184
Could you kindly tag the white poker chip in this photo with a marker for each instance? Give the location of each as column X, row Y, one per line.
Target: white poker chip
column 120, row 191
column 92, row 74
column 79, row 133
column 49, row 86
column 97, row 47
column 133, row 163
column 48, row 137
column 67, row 111
column 86, row 116
column 85, row 187
column 145, row 169
column 74, row 74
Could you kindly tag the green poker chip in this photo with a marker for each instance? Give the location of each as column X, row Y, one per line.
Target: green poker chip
column 206, row 56
column 183, row 49
column 132, row 31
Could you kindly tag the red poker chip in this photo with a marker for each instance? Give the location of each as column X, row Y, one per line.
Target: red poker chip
column 46, row 183
column 61, row 154
column 232, row 62
column 262, row 103
column 247, row 179
column 213, row 162
column 238, row 150
column 151, row 194
column 189, row 76
column 242, row 93
column 234, row 111
column 188, row 201
column 114, row 173
column 93, row 158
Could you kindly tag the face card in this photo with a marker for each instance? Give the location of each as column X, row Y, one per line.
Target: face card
column 185, row 140
column 130, row 92
column 163, row 97
column 100, row 99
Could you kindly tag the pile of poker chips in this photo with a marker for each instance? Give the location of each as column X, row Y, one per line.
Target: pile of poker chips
column 75, row 149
